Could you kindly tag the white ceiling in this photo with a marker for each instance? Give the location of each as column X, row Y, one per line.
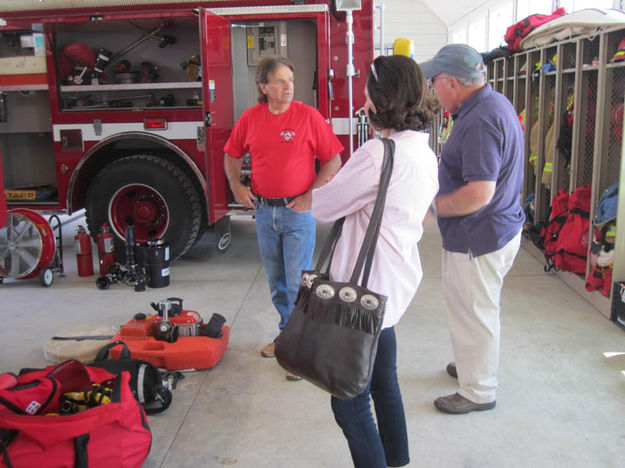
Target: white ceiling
column 450, row 11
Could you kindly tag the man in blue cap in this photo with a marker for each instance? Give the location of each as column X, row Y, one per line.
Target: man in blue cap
column 480, row 218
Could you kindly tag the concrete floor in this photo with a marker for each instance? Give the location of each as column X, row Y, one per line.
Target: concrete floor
column 560, row 402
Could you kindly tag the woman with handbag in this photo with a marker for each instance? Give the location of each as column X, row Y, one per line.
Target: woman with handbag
column 400, row 106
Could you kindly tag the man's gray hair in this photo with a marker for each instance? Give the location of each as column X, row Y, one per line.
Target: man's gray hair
column 473, row 82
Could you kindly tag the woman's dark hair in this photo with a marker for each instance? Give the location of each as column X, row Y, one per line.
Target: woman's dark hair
column 399, row 91
column 266, row 66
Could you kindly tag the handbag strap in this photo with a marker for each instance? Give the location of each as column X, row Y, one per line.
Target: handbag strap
column 327, row 252
column 365, row 256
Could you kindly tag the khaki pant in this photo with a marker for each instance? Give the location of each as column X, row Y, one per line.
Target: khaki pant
column 472, row 289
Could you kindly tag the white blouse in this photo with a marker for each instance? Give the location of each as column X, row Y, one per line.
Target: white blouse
column 396, row 270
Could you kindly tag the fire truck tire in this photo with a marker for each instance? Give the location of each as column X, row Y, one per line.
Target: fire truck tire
column 201, row 232
column 154, row 194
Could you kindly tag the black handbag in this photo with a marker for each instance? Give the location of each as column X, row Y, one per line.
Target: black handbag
column 331, row 339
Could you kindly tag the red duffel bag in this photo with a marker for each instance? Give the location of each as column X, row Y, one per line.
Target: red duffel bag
column 572, row 243
column 516, row 32
column 72, row 415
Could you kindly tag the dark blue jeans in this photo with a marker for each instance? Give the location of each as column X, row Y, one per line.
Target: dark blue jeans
column 386, row 445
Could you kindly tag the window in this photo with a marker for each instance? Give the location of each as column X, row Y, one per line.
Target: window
column 498, row 21
column 459, row 36
column 574, row 5
column 531, row 7
column 477, row 34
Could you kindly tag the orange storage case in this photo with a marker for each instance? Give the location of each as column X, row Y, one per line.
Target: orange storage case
column 186, row 353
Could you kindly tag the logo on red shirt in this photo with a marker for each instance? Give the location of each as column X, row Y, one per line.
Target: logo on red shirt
column 287, row 135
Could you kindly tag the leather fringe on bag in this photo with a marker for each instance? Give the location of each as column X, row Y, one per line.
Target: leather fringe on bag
column 344, row 314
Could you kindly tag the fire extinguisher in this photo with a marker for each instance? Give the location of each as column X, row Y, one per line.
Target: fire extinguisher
column 106, row 249
column 84, row 257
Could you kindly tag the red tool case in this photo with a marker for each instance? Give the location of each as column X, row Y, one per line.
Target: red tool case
column 187, row 352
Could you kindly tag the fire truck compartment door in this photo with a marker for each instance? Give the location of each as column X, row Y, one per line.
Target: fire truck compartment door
column 217, row 99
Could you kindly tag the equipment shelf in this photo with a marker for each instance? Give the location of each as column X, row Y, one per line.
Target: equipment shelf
column 131, row 86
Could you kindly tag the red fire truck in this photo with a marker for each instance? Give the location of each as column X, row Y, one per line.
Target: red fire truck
column 122, row 107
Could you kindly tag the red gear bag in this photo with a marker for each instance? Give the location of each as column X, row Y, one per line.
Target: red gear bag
column 551, row 231
column 518, row 31
column 112, row 434
column 571, row 245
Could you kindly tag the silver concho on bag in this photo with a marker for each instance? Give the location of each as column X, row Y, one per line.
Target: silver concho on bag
column 348, row 294
column 308, row 278
column 369, row 302
column 325, row 291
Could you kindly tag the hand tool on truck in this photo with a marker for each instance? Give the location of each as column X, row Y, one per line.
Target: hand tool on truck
column 105, row 56
column 124, row 101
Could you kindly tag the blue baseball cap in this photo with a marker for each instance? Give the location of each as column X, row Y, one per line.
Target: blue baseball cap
column 459, row 60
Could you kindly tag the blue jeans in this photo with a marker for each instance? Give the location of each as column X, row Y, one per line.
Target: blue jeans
column 286, row 242
column 386, row 445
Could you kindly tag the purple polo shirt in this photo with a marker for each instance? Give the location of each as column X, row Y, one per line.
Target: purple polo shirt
column 486, row 143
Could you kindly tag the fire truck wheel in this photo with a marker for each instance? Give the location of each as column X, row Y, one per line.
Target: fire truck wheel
column 153, row 194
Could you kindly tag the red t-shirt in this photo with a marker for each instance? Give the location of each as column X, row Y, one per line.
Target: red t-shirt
column 283, row 147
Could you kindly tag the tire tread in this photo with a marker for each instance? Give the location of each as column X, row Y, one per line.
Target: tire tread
column 177, row 173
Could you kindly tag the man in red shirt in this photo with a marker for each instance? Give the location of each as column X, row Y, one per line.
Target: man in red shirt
column 283, row 138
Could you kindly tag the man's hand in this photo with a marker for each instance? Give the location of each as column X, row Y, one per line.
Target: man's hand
column 302, row 203
column 327, row 170
column 243, row 195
